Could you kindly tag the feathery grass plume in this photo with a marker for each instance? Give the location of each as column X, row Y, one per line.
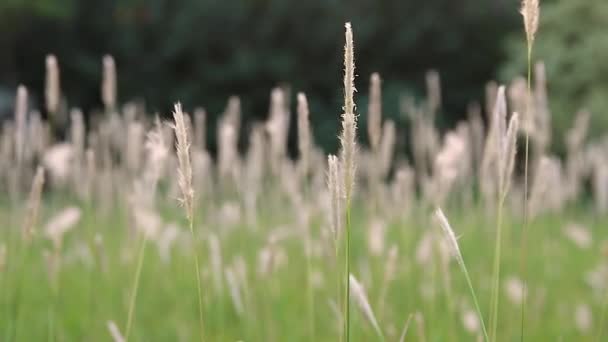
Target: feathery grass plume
column 228, row 137
column 304, row 134
column 530, row 11
column 349, row 119
column 77, row 140
column 134, row 148
column 108, row 83
column 374, row 116
column 278, row 127
column 33, row 205
column 20, row 123
column 448, row 232
column 387, row 147
column 184, row 171
column 510, row 149
column 37, row 136
column 77, row 134
column 157, row 152
column 115, row 332
column 52, row 91
column 492, row 162
column 254, row 172
column 335, row 190
column 358, row 292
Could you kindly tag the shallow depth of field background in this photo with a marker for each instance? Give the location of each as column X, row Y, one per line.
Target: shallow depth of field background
column 262, row 217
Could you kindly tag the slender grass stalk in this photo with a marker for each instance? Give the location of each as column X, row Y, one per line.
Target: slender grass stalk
column 347, row 270
column 310, row 294
column 347, row 158
column 184, row 173
column 198, row 279
column 530, row 11
column 135, row 290
column 406, row 327
column 524, row 233
column 496, row 274
column 451, row 237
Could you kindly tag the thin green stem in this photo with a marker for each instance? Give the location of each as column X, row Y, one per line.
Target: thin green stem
column 524, row 237
column 135, row 290
column 198, row 278
column 311, row 308
column 483, row 326
column 496, row 272
column 347, row 285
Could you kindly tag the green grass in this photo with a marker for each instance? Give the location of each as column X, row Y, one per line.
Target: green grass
column 275, row 306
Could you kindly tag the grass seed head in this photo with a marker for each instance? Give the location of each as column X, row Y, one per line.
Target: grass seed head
column 52, row 91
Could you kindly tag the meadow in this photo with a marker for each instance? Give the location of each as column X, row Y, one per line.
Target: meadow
column 117, row 225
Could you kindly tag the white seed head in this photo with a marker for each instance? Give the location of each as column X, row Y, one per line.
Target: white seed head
column 335, row 190
column 108, row 82
column 33, row 204
column 510, row 150
column 530, row 10
column 304, row 134
column 52, row 90
column 20, row 122
column 184, row 171
column 349, row 119
column 374, row 112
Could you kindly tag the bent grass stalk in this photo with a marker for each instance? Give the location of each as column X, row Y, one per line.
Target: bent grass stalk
column 135, row 290
column 451, row 237
column 198, row 278
column 496, row 274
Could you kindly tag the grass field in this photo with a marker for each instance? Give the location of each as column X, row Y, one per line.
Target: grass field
column 94, row 284
column 129, row 230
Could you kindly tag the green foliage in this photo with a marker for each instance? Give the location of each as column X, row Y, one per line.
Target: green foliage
column 573, row 44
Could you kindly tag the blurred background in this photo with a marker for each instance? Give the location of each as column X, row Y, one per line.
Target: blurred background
column 202, row 52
